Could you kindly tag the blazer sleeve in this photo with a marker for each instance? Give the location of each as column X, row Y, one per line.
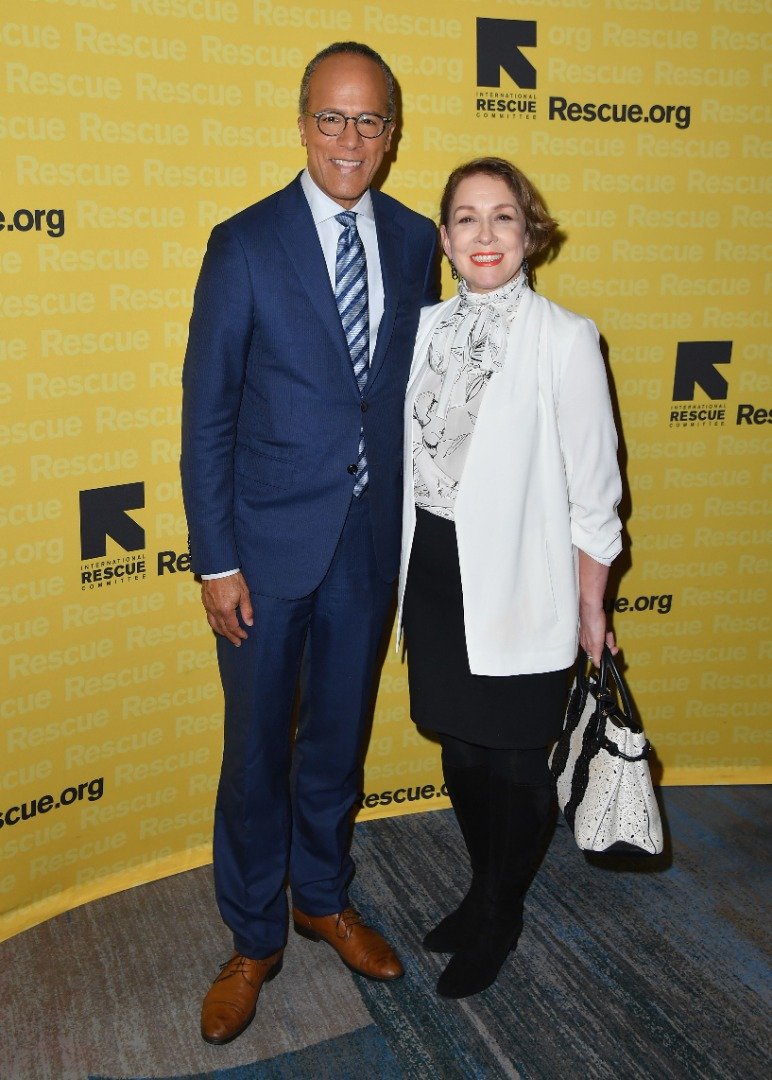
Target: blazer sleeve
column 589, row 444
column 212, row 383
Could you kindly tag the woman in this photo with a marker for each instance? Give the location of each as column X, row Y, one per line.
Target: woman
column 510, row 526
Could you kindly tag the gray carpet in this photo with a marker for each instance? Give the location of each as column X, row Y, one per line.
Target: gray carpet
column 114, row 989
column 630, row 968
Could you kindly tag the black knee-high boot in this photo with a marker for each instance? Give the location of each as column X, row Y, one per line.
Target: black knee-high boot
column 469, row 793
column 521, row 815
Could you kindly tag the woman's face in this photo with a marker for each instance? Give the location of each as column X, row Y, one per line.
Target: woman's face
column 485, row 236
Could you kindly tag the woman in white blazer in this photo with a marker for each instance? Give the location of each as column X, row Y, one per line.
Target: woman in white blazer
column 510, row 525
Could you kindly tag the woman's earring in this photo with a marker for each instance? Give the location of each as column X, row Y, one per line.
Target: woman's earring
column 525, row 268
column 453, row 272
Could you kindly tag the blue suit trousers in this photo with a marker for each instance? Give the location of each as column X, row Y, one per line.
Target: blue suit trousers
column 283, row 810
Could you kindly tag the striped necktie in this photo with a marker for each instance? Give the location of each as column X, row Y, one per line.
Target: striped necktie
column 351, row 297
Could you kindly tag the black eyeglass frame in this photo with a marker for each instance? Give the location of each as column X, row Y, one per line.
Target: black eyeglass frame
column 386, row 120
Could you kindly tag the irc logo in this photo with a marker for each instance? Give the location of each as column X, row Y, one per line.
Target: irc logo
column 696, row 366
column 103, row 513
column 498, row 47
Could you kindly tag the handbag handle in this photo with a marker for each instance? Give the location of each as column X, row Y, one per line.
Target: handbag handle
column 608, row 666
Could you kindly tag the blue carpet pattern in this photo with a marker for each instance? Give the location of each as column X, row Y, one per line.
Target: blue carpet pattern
column 639, row 967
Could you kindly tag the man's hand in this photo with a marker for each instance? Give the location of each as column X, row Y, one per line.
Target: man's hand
column 222, row 598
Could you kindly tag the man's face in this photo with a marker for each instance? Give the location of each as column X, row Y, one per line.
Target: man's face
column 344, row 165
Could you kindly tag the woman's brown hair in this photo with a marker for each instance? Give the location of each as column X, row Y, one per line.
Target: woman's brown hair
column 539, row 226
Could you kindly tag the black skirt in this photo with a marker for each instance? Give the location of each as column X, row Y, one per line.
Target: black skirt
column 517, row 712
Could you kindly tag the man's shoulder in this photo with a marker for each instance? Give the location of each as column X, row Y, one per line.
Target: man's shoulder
column 263, row 212
column 393, row 208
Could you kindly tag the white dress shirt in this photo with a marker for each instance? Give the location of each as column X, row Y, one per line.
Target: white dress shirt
column 323, row 211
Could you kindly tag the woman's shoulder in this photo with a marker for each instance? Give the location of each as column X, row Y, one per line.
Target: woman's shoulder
column 431, row 310
column 434, row 313
column 561, row 316
column 430, row 318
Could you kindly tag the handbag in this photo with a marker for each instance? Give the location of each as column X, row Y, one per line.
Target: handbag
column 600, row 766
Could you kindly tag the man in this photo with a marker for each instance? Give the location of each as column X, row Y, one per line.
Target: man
column 300, row 345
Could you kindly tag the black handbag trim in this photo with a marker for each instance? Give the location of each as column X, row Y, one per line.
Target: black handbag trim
column 611, row 747
column 574, row 711
column 581, row 777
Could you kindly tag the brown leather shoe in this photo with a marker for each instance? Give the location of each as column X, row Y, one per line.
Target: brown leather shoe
column 360, row 947
column 229, row 1007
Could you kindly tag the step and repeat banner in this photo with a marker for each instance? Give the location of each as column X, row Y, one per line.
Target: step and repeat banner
column 128, row 129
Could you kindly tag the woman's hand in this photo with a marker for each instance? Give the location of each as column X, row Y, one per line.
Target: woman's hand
column 593, row 634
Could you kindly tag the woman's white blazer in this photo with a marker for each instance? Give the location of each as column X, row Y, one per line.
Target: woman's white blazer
column 541, row 481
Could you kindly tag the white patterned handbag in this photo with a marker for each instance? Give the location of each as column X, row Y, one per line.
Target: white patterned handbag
column 601, row 769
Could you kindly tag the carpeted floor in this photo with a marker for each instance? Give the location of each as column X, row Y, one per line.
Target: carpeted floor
column 626, row 969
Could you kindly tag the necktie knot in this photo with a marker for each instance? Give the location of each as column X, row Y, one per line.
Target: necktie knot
column 347, row 218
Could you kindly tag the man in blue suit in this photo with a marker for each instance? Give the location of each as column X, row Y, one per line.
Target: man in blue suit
column 300, row 345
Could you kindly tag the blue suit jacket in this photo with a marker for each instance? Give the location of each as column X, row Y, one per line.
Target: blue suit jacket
column 271, row 409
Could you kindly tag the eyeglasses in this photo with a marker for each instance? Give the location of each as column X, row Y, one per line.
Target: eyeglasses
column 369, row 125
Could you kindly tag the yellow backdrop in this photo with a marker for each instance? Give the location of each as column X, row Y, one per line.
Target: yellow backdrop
column 128, row 129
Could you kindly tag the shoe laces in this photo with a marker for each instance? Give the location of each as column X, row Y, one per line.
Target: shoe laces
column 237, row 965
column 348, row 919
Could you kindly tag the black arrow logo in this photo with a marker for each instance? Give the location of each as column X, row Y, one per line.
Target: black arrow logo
column 695, row 366
column 103, row 514
column 498, row 46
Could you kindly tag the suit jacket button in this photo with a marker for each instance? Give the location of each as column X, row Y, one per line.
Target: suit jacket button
column 364, row 406
column 351, row 469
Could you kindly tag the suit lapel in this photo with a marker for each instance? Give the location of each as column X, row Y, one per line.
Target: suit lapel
column 390, row 251
column 298, row 236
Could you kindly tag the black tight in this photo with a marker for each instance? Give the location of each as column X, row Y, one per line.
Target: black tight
column 527, row 767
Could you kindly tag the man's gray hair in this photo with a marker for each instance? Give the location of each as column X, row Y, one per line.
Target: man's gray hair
column 357, row 49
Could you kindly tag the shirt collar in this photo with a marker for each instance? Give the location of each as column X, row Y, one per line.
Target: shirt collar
column 323, row 207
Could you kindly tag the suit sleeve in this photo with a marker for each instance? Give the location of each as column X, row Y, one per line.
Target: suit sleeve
column 431, row 292
column 589, row 443
column 212, row 384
